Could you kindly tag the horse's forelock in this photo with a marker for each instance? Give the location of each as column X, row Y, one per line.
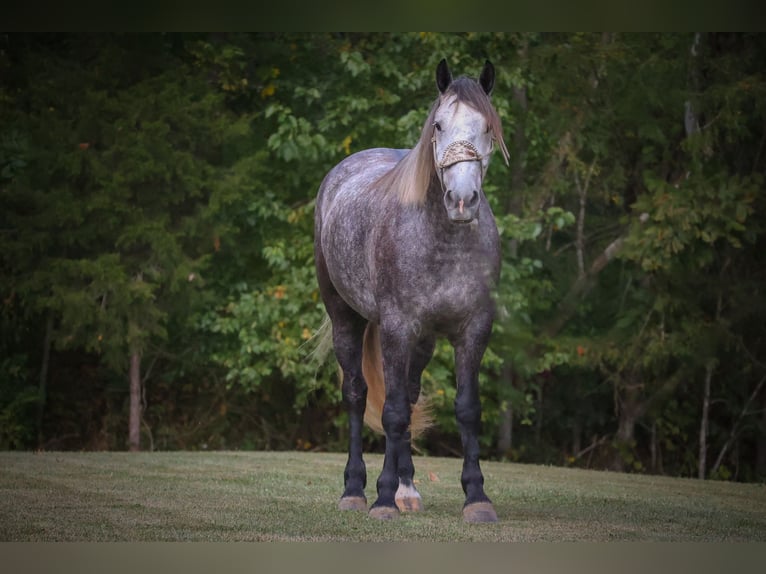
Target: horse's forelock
column 467, row 90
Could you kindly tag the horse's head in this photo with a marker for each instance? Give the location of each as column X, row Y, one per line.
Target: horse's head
column 465, row 127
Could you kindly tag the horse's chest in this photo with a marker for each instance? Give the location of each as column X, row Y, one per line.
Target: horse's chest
column 449, row 283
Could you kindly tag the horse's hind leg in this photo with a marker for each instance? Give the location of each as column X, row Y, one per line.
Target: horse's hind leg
column 348, row 333
column 407, row 496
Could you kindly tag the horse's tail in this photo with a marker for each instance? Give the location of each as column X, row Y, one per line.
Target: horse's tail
column 372, row 369
column 320, row 344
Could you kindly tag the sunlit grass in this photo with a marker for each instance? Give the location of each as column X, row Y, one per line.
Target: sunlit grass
column 239, row 496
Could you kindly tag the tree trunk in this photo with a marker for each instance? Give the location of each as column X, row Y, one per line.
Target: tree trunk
column 505, row 430
column 691, row 123
column 582, row 194
column 539, row 408
column 576, row 437
column 629, row 409
column 568, row 304
column 134, row 420
column 626, row 429
column 580, row 241
column 706, row 395
column 760, row 448
column 513, row 205
column 42, row 389
column 735, row 428
column 704, row 424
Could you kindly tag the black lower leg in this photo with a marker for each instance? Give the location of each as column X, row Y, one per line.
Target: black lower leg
column 348, row 331
column 396, row 421
column 421, row 355
column 355, row 474
column 468, row 413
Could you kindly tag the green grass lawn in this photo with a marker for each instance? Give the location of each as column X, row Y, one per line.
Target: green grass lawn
column 273, row 496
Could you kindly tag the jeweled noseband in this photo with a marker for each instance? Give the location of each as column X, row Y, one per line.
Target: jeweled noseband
column 457, row 151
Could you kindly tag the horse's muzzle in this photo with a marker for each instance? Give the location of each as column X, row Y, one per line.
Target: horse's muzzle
column 461, row 206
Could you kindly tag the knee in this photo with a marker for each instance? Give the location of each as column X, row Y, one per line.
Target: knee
column 354, row 391
column 467, row 411
column 396, row 418
column 414, row 391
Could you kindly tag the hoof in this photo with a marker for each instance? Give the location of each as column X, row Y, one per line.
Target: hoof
column 408, row 499
column 352, row 503
column 384, row 512
column 479, row 512
column 410, row 504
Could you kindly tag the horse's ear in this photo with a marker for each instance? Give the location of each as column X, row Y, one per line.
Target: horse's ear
column 487, row 78
column 443, row 76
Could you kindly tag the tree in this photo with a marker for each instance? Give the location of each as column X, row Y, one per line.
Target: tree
column 156, row 197
column 107, row 215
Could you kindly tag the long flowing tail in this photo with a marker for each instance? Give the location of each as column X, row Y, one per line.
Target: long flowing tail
column 372, row 369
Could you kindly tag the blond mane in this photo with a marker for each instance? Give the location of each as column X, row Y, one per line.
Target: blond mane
column 411, row 177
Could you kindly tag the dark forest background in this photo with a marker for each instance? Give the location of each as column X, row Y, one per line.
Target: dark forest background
column 156, row 273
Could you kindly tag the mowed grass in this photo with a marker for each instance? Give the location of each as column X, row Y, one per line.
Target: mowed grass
column 275, row 496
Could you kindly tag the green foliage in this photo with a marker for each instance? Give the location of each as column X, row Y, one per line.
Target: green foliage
column 688, row 224
column 269, row 333
column 156, row 193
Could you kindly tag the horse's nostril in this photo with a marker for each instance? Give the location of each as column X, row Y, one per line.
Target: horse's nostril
column 474, row 198
column 450, row 197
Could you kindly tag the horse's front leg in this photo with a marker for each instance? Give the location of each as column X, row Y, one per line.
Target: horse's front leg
column 469, row 350
column 397, row 464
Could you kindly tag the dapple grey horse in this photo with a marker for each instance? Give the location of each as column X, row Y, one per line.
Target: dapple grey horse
column 407, row 249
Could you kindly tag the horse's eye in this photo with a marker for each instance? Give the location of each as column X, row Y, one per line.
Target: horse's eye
column 438, row 126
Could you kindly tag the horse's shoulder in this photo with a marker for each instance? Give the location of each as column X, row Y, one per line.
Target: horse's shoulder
column 363, row 167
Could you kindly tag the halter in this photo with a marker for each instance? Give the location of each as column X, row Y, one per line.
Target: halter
column 457, row 151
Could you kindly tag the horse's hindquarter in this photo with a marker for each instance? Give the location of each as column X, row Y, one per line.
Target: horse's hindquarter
column 348, row 210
